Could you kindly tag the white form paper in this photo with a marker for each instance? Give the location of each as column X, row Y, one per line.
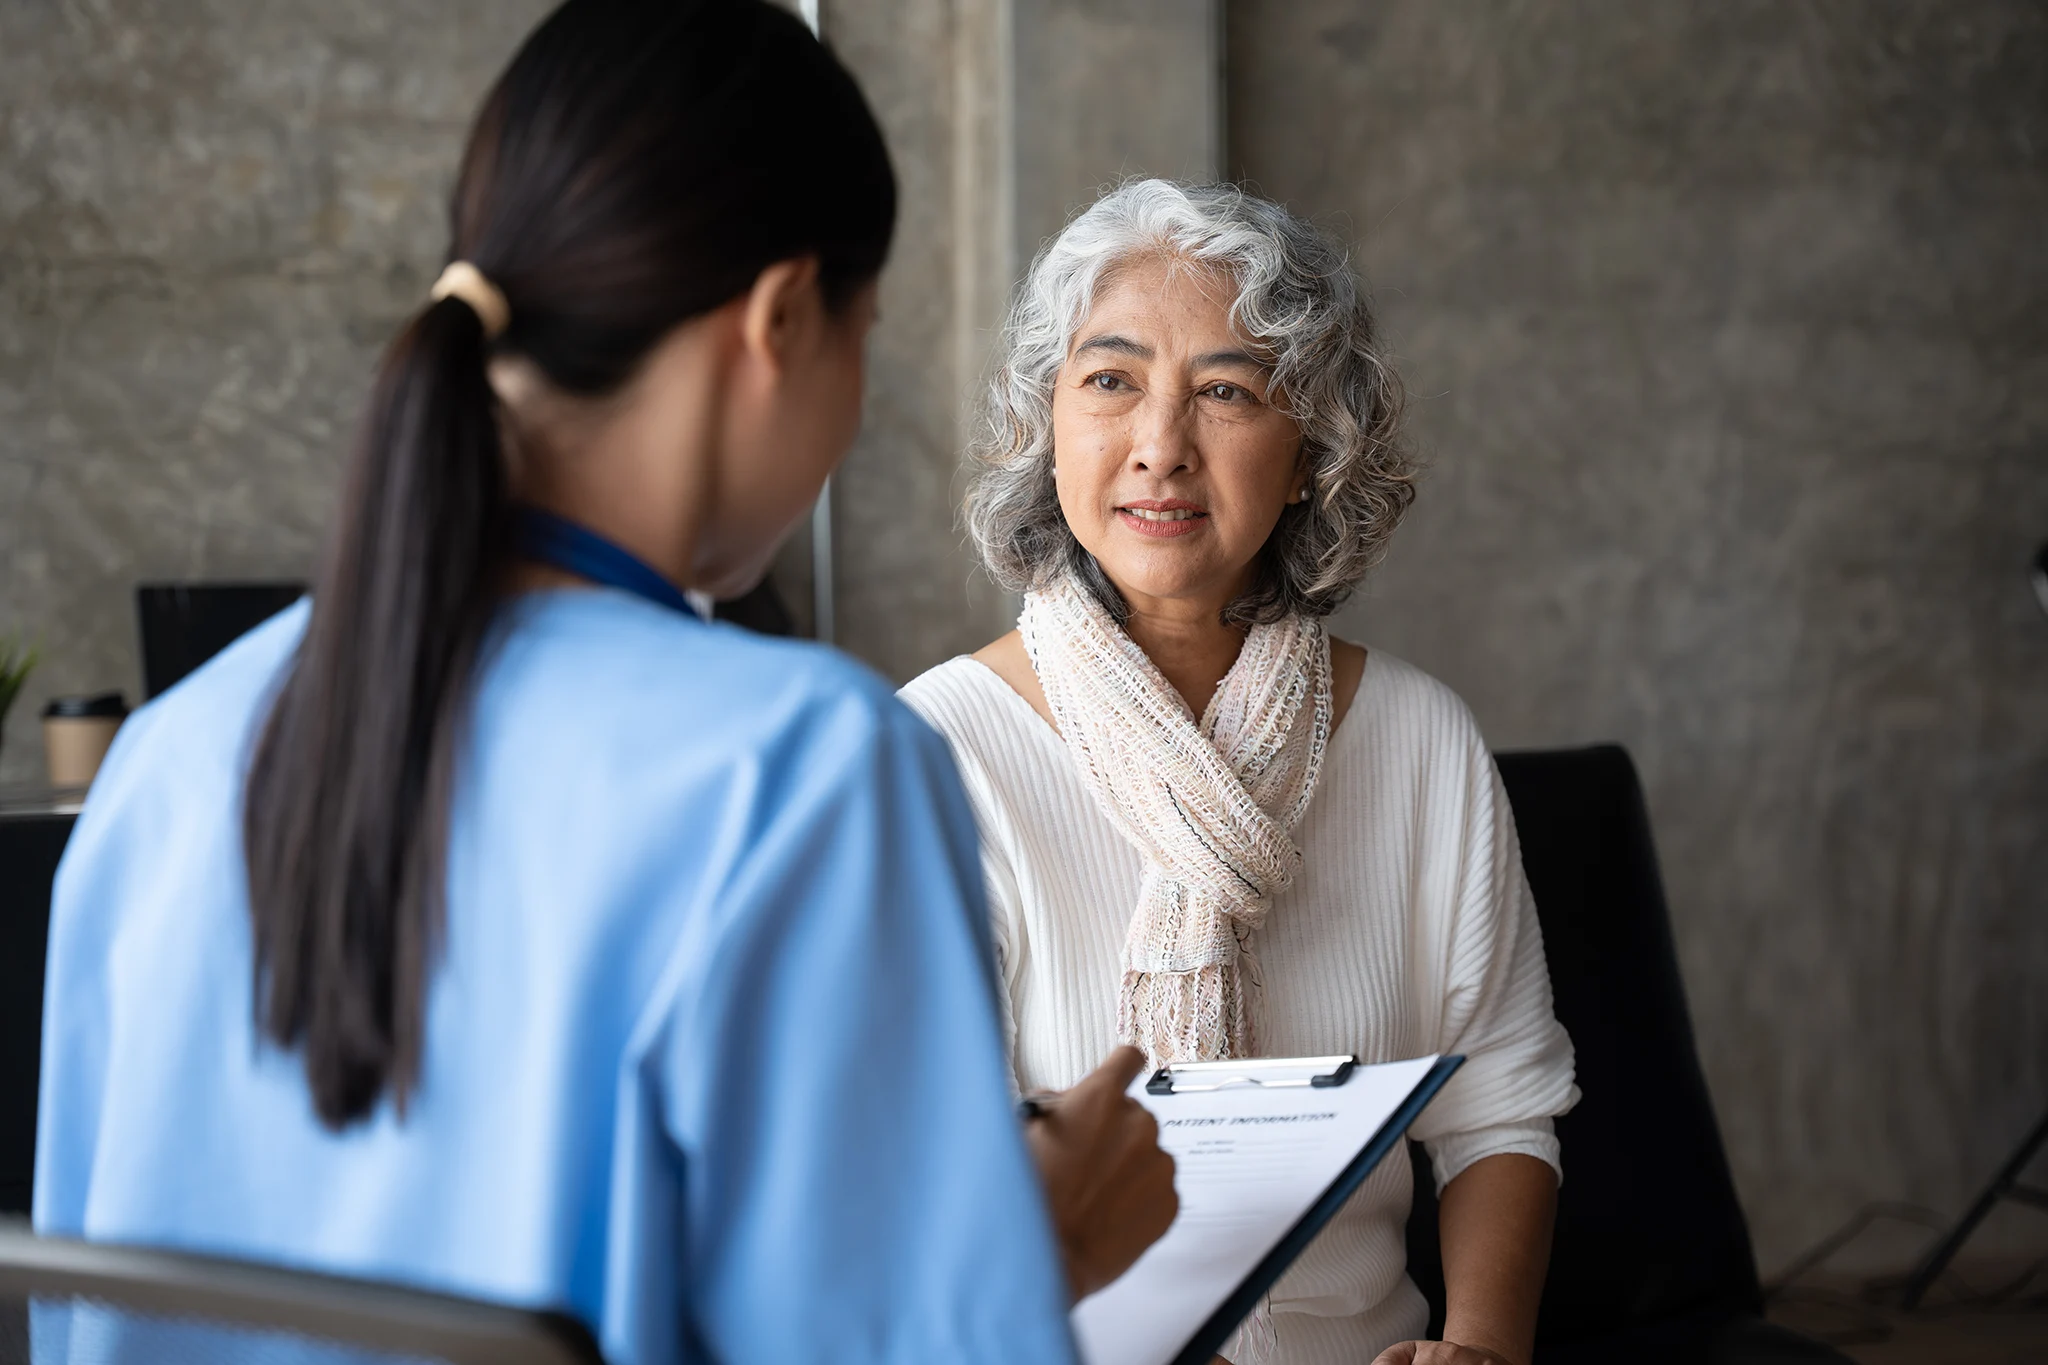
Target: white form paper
column 1249, row 1162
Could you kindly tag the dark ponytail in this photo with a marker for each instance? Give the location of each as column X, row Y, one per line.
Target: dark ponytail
column 638, row 164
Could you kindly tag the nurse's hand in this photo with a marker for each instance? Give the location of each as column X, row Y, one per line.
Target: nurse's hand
column 1109, row 1187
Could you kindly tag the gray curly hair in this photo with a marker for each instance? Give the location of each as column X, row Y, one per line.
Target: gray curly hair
column 1298, row 306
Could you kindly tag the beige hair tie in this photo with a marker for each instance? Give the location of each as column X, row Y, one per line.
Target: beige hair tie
column 464, row 281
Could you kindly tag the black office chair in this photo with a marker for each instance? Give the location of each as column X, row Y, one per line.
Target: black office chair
column 185, row 624
column 1652, row 1258
column 82, row 1303
column 30, row 845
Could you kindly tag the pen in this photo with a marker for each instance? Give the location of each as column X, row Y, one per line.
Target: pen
column 1036, row 1104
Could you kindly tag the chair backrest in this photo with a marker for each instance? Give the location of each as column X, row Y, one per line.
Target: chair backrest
column 1648, row 1226
column 30, row 845
column 185, row 624
column 81, row 1303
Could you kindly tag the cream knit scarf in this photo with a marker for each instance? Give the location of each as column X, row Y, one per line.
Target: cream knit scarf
column 1209, row 804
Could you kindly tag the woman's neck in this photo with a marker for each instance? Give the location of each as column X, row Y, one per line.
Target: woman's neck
column 1188, row 642
column 634, row 467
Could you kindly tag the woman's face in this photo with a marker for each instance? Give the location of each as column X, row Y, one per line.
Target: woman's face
column 1172, row 458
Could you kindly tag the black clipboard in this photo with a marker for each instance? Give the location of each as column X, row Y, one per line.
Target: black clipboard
column 1203, row 1345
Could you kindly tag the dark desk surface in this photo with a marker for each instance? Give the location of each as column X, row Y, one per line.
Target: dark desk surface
column 39, row 800
column 34, row 826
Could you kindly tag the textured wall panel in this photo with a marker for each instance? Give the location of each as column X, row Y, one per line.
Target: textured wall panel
column 1727, row 330
column 907, row 597
column 212, row 216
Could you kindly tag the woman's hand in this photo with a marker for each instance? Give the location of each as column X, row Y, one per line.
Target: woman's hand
column 1438, row 1353
column 1107, row 1184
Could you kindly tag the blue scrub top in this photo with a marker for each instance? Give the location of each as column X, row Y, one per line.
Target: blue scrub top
column 713, row 1058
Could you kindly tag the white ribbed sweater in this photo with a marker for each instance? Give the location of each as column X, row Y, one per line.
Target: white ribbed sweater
column 1410, row 931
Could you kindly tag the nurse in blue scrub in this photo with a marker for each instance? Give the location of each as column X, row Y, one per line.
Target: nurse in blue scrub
column 490, row 922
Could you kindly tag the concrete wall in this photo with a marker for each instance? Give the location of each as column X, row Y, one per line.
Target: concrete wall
column 1727, row 328
column 212, row 216
column 1107, row 89
column 905, row 597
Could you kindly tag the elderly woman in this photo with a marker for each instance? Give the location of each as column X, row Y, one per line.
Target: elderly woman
column 1210, row 828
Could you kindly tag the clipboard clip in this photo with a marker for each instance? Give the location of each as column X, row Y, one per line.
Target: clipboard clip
column 1273, row 1073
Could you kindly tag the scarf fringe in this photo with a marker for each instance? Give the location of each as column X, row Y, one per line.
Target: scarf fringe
column 1192, row 1016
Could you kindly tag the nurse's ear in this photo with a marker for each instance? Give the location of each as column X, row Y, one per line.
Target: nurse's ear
column 783, row 315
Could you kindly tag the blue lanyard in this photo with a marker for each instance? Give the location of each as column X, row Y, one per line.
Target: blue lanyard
column 583, row 552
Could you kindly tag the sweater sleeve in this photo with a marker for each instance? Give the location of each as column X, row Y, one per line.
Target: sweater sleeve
column 1496, row 1009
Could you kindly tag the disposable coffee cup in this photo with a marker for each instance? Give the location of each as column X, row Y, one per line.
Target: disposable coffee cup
column 76, row 734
